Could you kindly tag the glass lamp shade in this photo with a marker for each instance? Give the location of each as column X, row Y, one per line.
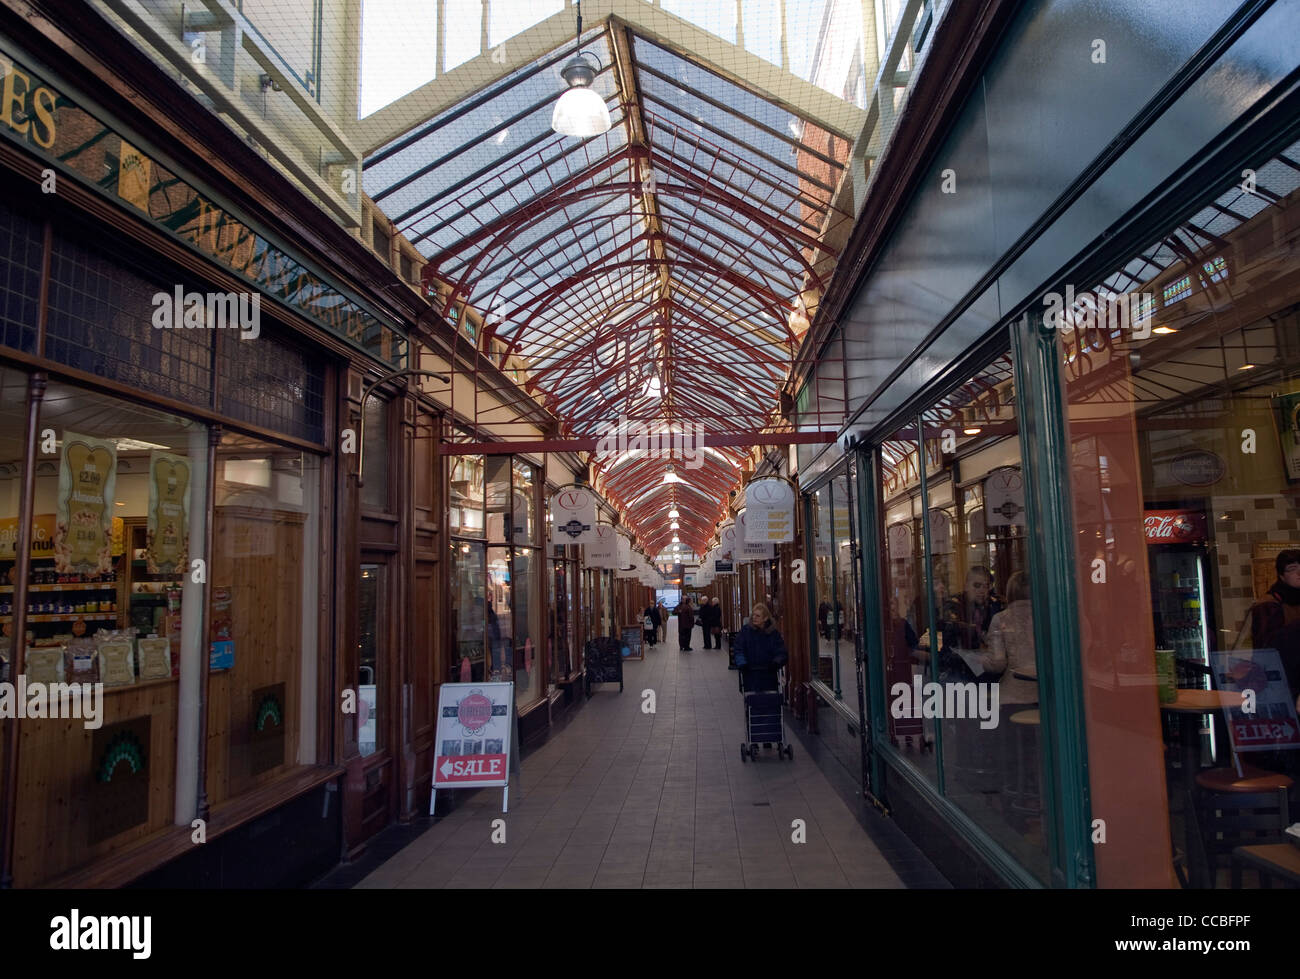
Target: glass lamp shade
column 580, row 112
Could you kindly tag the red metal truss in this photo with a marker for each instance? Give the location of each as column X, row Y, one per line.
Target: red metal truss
column 648, row 273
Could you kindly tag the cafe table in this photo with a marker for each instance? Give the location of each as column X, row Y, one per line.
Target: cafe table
column 1281, row 860
column 1191, row 706
column 1026, row 673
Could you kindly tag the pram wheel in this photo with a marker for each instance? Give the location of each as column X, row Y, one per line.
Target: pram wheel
column 789, row 752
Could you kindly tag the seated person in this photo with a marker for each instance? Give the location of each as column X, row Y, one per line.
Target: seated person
column 965, row 624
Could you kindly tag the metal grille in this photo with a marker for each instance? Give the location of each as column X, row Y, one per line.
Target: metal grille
column 20, row 280
column 269, row 382
column 100, row 321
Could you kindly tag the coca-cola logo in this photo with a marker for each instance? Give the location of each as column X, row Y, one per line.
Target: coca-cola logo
column 1176, row 526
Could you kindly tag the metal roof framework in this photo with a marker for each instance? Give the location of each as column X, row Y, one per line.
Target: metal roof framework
column 650, row 273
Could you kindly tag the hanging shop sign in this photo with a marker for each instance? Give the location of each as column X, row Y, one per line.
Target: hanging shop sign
column 898, row 540
column 940, row 532
column 573, row 516
column 476, row 724
column 1174, row 526
column 167, row 533
column 624, row 552
column 83, row 536
column 602, row 550
column 769, row 503
column 724, row 566
column 52, row 126
column 1004, row 498
column 729, row 539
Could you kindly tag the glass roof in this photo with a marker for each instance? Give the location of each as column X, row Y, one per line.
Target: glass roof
column 649, row 272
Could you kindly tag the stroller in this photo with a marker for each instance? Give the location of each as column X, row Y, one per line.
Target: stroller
column 764, row 713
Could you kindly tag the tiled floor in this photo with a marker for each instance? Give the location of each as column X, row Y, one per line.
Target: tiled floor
column 624, row 798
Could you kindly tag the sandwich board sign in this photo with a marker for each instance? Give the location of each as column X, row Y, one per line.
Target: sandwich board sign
column 476, row 735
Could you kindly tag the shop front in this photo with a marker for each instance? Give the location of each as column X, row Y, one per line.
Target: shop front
column 171, row 501
column 1073, row 445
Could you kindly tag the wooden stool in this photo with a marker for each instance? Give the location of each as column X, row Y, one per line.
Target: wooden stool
column 1024, row 798
column 1247, row 808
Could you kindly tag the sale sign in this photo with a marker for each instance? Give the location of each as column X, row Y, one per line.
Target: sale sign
column 475, row 721
column 1267, row 720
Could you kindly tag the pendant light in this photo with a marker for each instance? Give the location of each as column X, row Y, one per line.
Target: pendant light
column 580, row 111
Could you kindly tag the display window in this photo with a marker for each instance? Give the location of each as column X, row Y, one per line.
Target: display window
column 265, row 587
column 119, row 490
column 1181, row 371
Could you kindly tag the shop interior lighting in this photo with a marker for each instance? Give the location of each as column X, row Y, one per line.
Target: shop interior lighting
column 580, row 111
column 673, row 514
column 971, row 431
column 1164, row 331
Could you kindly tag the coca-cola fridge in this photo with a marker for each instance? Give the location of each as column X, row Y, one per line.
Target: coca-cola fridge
column 1180, row 580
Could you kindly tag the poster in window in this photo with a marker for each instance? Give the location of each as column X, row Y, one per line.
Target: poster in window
column 167, row 535
column 83, row 534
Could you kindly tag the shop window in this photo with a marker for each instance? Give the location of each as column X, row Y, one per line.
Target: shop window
column 526, row 613
column 1184, row 429
column 468, row 611
column 370, row 613
column 374, row 489
column 114, row 508
column 101, row 321
column 465, row 513
column 265, row 587
column 524, row 513
column 904, row 611
column 980, row 610
column 826, row 620
column 273, row 383
column 21, row 244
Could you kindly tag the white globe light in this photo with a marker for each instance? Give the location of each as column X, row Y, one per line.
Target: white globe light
column 580, row 111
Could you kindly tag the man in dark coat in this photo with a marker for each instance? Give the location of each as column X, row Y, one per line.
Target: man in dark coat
column 710, row 616
column 1281, row 606
column 685, row 623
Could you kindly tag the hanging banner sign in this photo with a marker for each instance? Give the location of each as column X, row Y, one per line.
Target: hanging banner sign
column 729, row 539
column 573, row 516
column 769, row 503
column 167, row 535
column 624, row 552
column 940, row 532
column 1004, row 498
column 83, row 535
column 474, row 743
column 602, row 550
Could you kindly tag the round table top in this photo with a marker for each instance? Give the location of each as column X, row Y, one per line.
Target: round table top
column 1203, row 701
column 1026, row 717
column 1026, row 673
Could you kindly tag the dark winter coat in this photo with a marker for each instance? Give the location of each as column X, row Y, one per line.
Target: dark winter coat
column 685, row 623
column 760, row 652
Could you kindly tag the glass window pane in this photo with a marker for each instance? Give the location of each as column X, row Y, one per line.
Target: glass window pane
column 264, row 590
column 468, row 611
column 370, row 732
column 497, row 497
column 1182, row 376
column 524, row 515
column 530, row 682
column 905, row 611
column 823, row 665
column 465, row 513
column 987, row 662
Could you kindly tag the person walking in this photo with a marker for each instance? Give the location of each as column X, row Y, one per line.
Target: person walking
column 663, row 621
column 760, row 651
column 685, row 623
column 650, row 624
column 713, row 624
column 1281, row 606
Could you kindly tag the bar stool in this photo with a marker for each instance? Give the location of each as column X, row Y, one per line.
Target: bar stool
column 1241, row 809
column 1024, row 797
